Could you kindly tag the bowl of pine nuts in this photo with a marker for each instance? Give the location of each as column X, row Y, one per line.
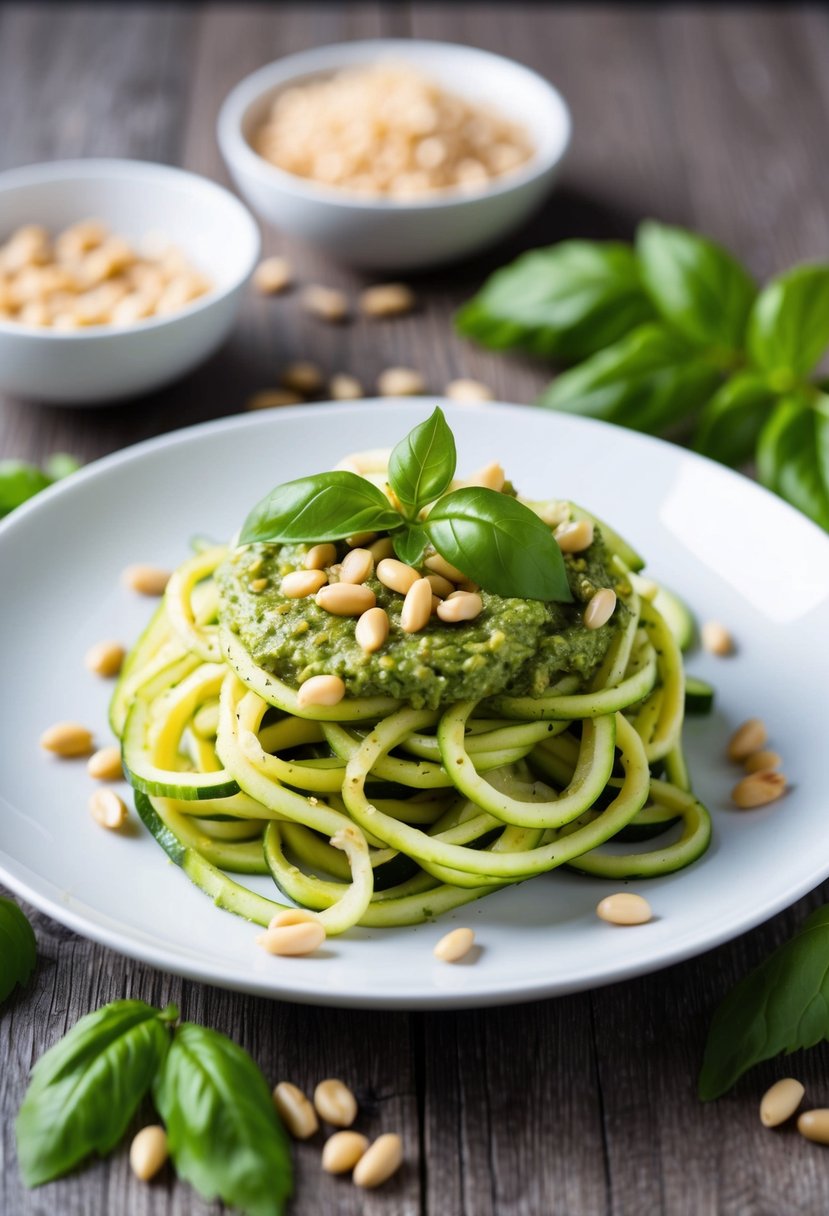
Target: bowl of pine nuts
column 394, row 153
column 116, row 277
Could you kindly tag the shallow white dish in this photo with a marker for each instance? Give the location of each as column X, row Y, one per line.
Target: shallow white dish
column 387, row 233
column 104, row 363
column 735, row 552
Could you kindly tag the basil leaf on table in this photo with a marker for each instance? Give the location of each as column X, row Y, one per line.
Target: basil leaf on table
column 324, row 507
column 731, row 421
column 695, row 285
column 781, row 1006
column 793, row 456
column 60, row 465
column 19, row 482
column 18, row 948
column 500, row 543
column 222, row 1128
column 421, row 465
column 789, row 326
column 563, row 302
column 86, row 1088
column 647, row 381
column 410, row 543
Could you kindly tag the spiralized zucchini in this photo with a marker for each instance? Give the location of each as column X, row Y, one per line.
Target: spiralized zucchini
column 374, row 813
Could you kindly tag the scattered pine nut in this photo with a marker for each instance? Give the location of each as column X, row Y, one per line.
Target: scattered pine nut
column 357, row 566
column 599, row 608
column 381, row 549
column 400, row 382
column 346, row 599
column 146, row 580
column 343, row 387
column 454, row 945
column 763, row 759
column 441, row 586
column 300, row 583
column 490, row 477
column 441, row 566
column 396, row 575
column 327, row 303
column 320, row 690
column 716, row 639
column 748, row 738
column 303, row 937
column 468, row 390
column 342, row 1151
column 387, row 300
column 417, row 606
column 148, row 1152
column 574, row 537
column 335, row 1103
column 272, row 398
column 108, row 809
column 814, row 1125
column 295, row 1111
column 105, row 658
column 105, row 764
column 372, row 629
column 67, row 739
column 382, row 1159
column 320, row 556
column 291, row 916
column 302, row 377
column 272, row 276
column 624, row 908
column 460, row 606
column 758, row 789
column 780, row 1102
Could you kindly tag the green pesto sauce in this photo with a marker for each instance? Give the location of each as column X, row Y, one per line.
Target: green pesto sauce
column 516, row 646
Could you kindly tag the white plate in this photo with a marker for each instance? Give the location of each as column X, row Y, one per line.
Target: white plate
column 736, row 553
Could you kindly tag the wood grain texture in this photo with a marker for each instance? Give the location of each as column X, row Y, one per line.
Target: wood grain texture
column 583, row 1106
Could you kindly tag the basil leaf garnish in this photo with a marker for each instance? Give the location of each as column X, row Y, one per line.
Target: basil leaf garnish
column 499, row 543
column 731, row 421
column 563, row 302
column 410, row 543
column 86, row 1088
column 222, row 1128
column 18, row 948
column 695, row 285
column 324, row 507
column 793, row 455
column 422, row 464
column 781, row 1006
column 789, row 325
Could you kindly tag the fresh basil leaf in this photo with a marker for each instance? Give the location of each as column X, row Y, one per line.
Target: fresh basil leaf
column 18, row 948
column 563, row 302
column 647, row 381
column 324, row 507
column 60, row 465
column 783, row 1005
column 422, row 464
column 410, row 543
column 695, row 285
column 18, row 482
column 731, row 422
column 789, row 326
column 86, row 1088
column 793, row 456
column 222, row 1128
column 499, row 543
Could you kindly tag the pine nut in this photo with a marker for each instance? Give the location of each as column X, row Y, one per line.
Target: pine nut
column 468, row 390
column 302, row 377
column 814, row 1125
column 342, row 1151
column 382, row 1159
column 440, row 585
column 148, row 1152
column 345, row 388
column 272, row 398
column 360, row 540
column 108, row 809
column 335, row 1103
column 325, row 302
column 387, row 300
column 455, row 945
column 461, row 606
column 272, row 275
column 146, row 580
column 599, row 608
column 358, row 565
column 372, row 629
column 395, row 575
column 321, row 690
column 346, row 599
column 758, row 789
column 716, row 639
column 780, row 1102
column 291, row 916
column 381, row 548
column 295, row 940
column 574, row 537
column 258, row 585
column 105, row 765
column 624, row 908
column 105, row 658
column 300, row 583
column 417, row 607
column 400, row 382
column 295, row 1111
column 490, row 477
column 747, row 739
column 441, row 566
column 758, row 761
column 320, row 556
column 67, row 739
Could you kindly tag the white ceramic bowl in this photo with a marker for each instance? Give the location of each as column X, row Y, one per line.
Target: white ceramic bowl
column 101, row 364
column 384, row 233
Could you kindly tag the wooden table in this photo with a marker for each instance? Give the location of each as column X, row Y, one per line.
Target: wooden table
column 580, row 1106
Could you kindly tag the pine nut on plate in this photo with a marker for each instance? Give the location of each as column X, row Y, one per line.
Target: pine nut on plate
column 148, row 1152
column 146, row 580
column 455, row 945
column 624, row 908
column 747, row 739
column 105, row 658
column 716, row 639
column 67, row 739
column 294, row 940
column 780, row 1102
column 295, row 1111
column 105, row 764
column 396, row 575
column 758, row 789
column 108, row 809
column 382, row 1159
column 335, row 1103
column 321, row 690
column 346, row 599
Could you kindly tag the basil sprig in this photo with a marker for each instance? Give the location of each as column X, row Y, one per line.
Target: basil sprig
column 679, row 333
column 494, row 539
column 20, row 481
column 18, row 948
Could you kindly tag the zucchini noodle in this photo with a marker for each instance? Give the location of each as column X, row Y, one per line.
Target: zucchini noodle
column 378, row 814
